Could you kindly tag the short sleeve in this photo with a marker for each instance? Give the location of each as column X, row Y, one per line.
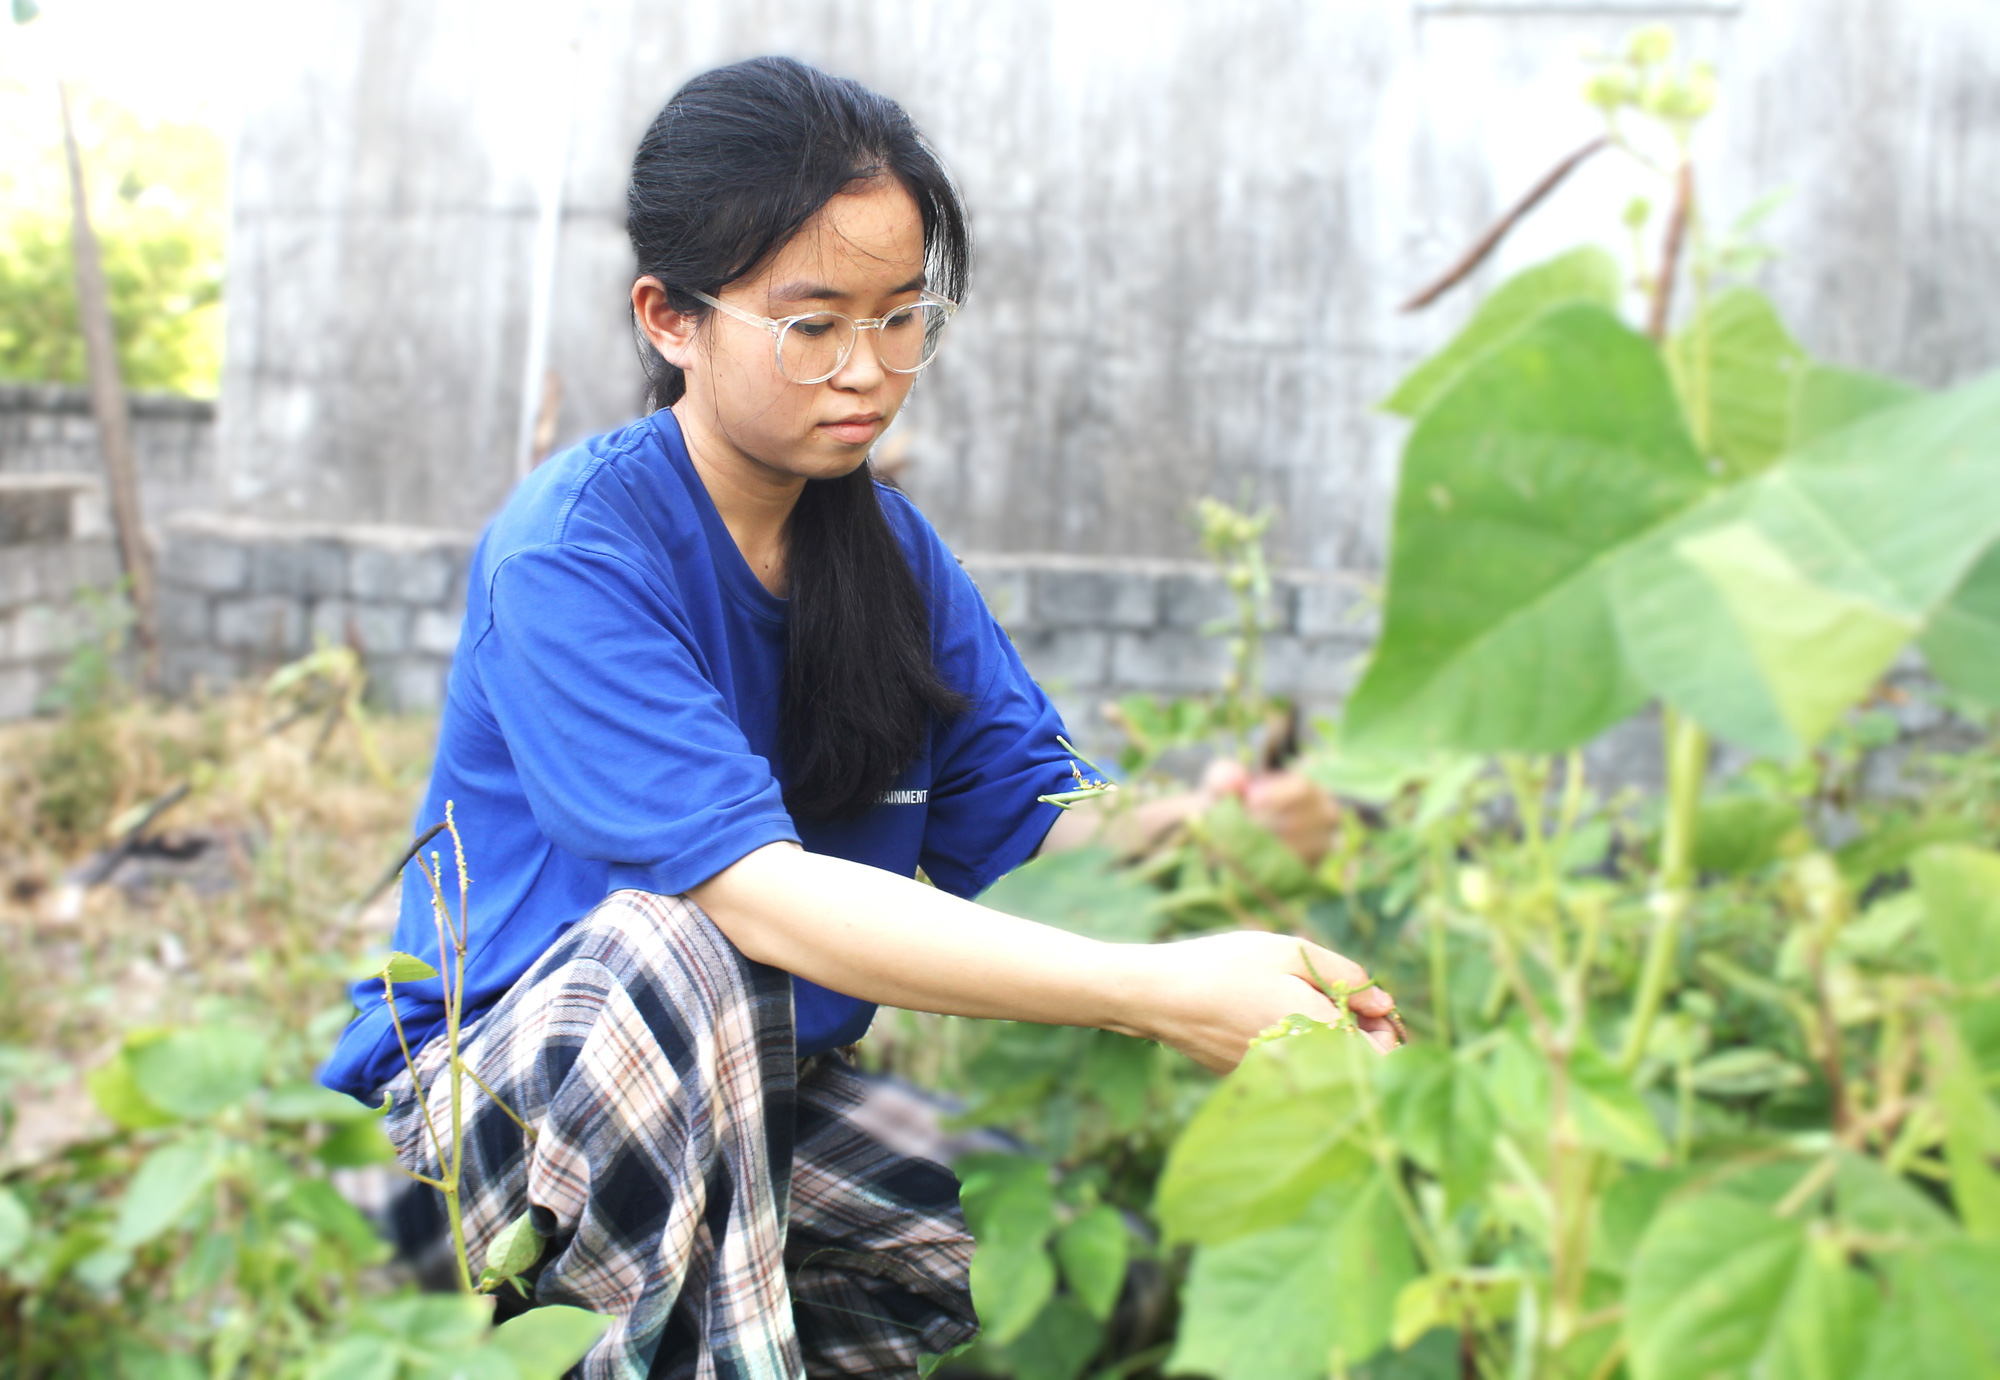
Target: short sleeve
column 988, row 765
column 624, row 746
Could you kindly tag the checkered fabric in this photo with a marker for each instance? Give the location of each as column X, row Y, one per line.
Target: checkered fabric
column 735, row 1209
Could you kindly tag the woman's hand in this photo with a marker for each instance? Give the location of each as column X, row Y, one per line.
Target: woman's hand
column 1209, row 997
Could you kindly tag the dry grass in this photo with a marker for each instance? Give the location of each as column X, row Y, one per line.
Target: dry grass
column 261, row 922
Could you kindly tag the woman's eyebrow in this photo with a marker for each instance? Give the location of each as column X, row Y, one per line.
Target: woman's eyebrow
column 808, row 291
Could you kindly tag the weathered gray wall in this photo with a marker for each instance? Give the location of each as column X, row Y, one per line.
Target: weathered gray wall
column 47, row 428
column 1195, row 219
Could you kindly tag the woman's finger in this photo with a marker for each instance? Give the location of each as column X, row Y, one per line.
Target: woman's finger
column 1371, row 1002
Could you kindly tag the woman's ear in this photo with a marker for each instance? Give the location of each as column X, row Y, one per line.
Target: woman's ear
column 672, row 332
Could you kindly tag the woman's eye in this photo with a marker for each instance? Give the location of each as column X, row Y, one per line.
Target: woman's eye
column 900, row 320
column 812, row 330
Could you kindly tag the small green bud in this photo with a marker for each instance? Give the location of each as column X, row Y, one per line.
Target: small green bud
column 1654, row 43
column 1637, row 212
column 1609, row 90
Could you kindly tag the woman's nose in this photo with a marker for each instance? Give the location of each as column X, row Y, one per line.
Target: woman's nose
column 863, row 369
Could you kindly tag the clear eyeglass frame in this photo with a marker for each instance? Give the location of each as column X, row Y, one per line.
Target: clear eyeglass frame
column 780, row 327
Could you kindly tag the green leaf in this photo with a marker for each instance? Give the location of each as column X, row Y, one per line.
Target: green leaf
column 1737, row 370
column 1610, row 1114
column 543, row 1343
column 356, row 1144
column 1588, row 274
column 1939, row 1319
column 168, row 1184
column 514, row 1248
column 198, row 1072
column 1971, row 1131
column 1551, row 455
column 1255, row 851
column 317, row 1203
column 1093, row 1251
column 117, row 1093
column 1281, row 1129
column 1081, row 890
column 363, row 1357
column 1962, row 641
column 1746, row 1072
column 1960, row 887
column 1275, row 1305
column 1722, row 1287
column 1057, row 1345
column 1828, row 399
column 1439, row 1110
column 1736, row 835
column 308, row 1102
column 15, row 1226
column 1010, row 1207
column 1766, row 611
column 1868, row 1198
column 402, row 967
column 1452, row 1300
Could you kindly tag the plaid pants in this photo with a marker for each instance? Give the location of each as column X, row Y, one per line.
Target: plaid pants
column 739, row 1213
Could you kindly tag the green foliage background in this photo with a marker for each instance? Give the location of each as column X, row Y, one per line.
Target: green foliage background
column 157, row 194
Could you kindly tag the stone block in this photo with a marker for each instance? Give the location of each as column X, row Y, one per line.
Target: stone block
column 34, row 514
column 206, row 564
column 381, row 629
column 388, row 575
column 86, row 565
column 1316, row 671
column 434, row 632
column 185, row 669
column 408, row 684
column 309, row 569
column 20, row 575
column 45, row 632
column 266, row 625
column 1005, row 589
column 1066, row 658
column 1195, row 601
column 1336, row 608
column 20, row 690
column 1168, row 661
column 1095, row 599
column 183, row 616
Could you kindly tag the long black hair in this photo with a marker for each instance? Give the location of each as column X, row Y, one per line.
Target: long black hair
column 734, row 166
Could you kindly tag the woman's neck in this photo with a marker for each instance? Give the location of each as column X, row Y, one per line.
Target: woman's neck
column 754, row 500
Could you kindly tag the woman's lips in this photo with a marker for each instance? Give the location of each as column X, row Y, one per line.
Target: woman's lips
column 852, row 431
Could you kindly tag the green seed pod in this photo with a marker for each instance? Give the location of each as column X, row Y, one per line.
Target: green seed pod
column 1609, row 90
column 1654, row 43
column 1637, row 212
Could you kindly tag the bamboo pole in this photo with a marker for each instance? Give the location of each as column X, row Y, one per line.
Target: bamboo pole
column 107, row 403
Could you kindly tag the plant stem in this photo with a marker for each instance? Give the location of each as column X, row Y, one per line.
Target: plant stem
column 1439, row 936
column 1687, row 765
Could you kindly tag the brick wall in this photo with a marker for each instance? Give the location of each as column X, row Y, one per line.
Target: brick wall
column 240, row 596
column 55, row 544
column 48, row 429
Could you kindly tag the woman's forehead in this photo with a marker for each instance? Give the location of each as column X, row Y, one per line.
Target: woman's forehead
column 863, row 243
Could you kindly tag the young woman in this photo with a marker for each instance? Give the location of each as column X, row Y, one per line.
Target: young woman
column 718, row 696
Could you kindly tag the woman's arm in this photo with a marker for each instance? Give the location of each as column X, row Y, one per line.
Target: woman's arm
column 892, row 940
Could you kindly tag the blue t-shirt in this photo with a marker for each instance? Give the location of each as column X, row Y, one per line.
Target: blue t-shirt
column 612, row 722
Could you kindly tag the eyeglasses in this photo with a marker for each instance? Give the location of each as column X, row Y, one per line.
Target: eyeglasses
column 812, row 348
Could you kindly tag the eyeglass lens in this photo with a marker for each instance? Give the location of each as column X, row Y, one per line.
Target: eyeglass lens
column 813, row 348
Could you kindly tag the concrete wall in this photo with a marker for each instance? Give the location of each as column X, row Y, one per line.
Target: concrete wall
column 55, row 544
column 241, row 596
column 49, row 429
column 1196, row 222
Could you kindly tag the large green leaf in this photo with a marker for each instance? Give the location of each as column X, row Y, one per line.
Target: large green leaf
column 15, row 1227
column 1520, row 487
column 543, row 1343
column 1765, row 611
column 1828, row 399
column 1723, row 1287
column 1010, row 1206
column 1962, row 643
column 1738, row 370
column 1960, row 887
column 1610, row 1115
column 1081, row 890
column 1093, row 1251
column 1442, row 1116
column 169, row 1182
column 1276, row 1305
column 1582, row 275
column 1278, row 1131
column 199, row 1071
column 1939, row 1319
